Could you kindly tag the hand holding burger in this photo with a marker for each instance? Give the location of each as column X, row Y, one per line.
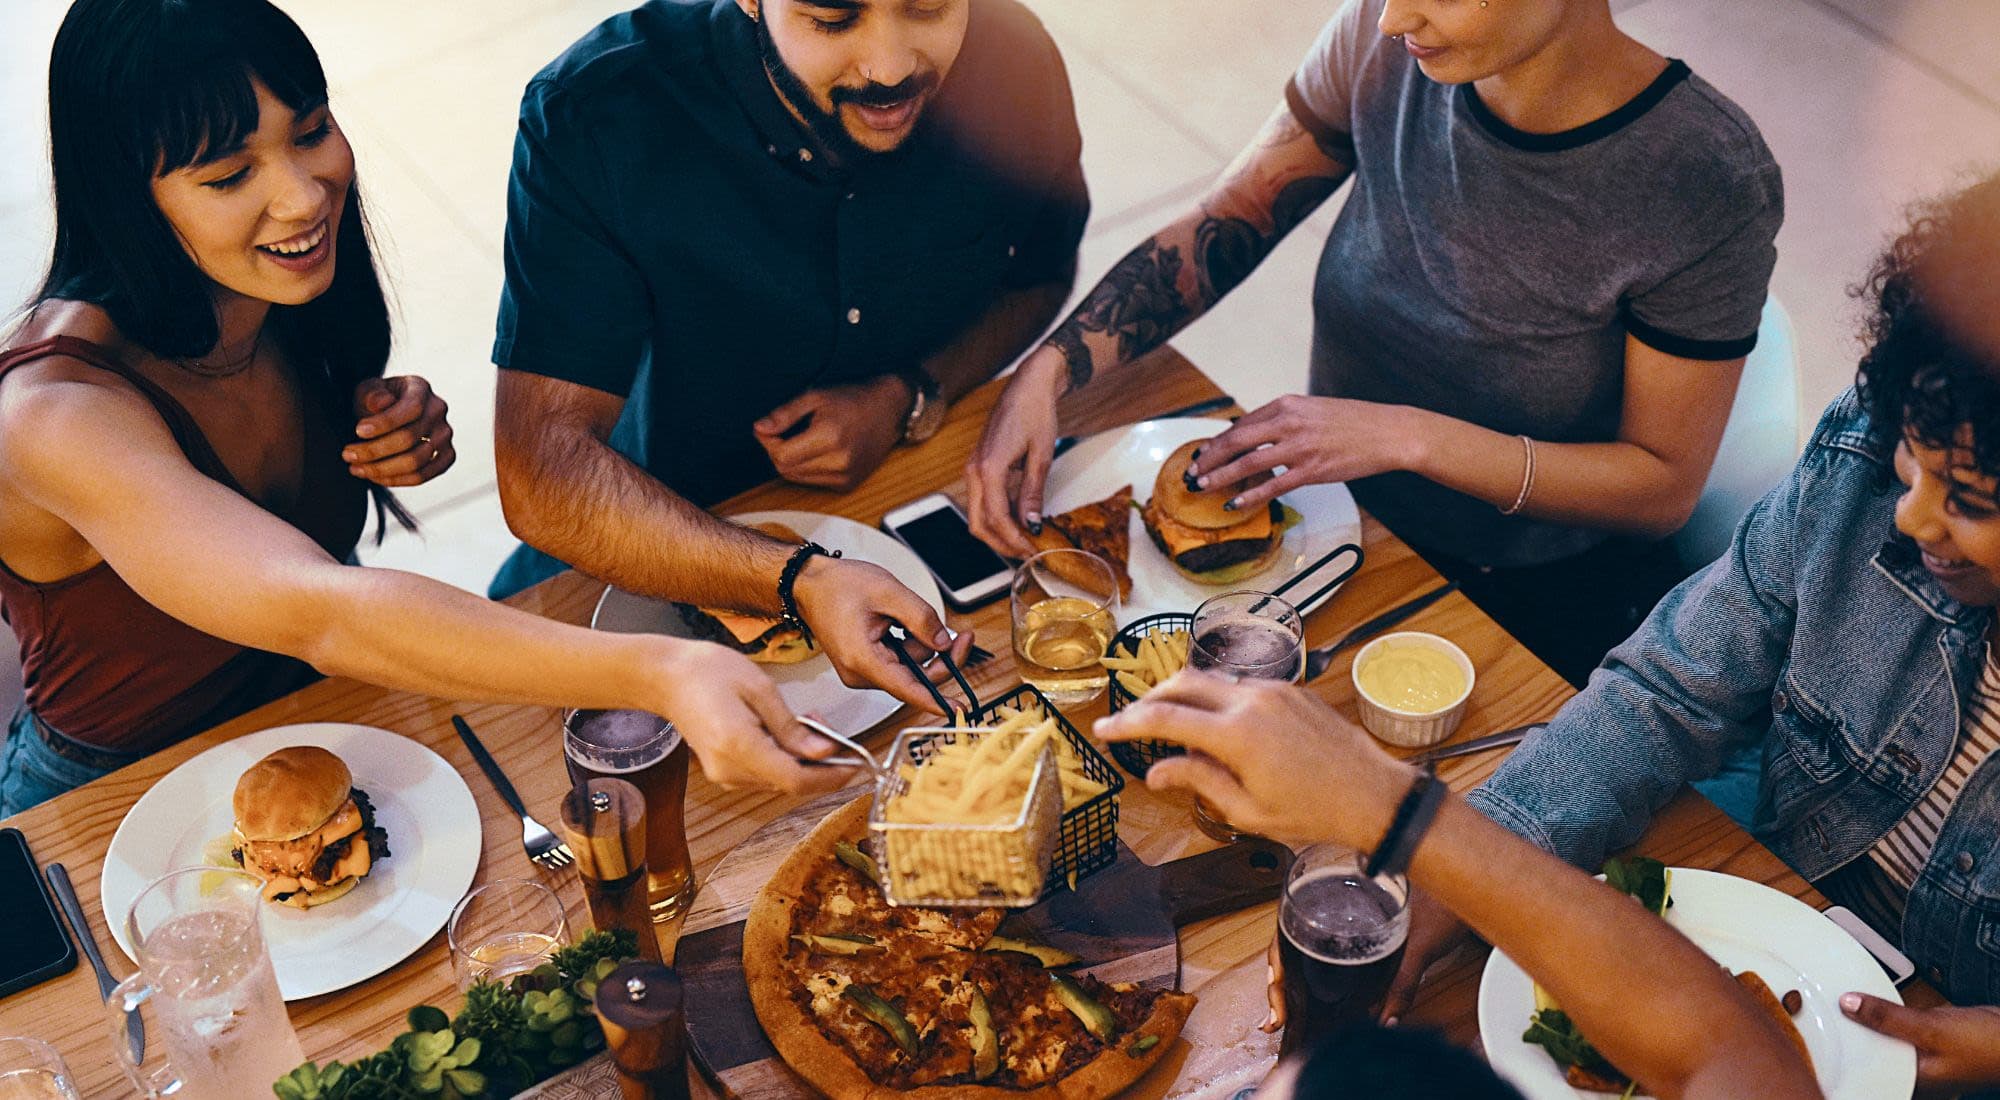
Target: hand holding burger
column 1198, row 530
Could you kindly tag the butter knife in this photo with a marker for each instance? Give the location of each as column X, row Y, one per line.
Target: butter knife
column 1478, row 744
column 1318, row 659
column 58, row 876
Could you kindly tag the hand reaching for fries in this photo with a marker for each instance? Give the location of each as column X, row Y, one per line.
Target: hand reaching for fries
column 1150, row 662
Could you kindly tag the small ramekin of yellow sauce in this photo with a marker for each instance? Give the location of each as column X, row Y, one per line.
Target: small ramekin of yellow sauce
column 1412, row 687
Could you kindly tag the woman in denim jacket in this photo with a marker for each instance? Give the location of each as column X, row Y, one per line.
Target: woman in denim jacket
column 1848, row 635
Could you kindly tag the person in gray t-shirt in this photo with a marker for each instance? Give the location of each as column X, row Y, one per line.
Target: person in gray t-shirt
column 1529, row 318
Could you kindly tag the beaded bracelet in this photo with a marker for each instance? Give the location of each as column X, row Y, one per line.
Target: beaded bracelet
column 1406, row 830
column 788, row 579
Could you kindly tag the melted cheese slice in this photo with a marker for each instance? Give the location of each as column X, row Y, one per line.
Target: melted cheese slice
column 1181, row 538
column 744, row 628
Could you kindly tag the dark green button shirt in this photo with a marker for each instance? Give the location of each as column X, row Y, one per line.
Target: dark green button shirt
column 673, row 237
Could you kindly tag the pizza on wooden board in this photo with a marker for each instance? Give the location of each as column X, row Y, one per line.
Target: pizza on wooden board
column 868, row 1000
column 1104, row 528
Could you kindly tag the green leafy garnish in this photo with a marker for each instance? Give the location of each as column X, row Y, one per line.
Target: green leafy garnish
column 1643, row 878
column 505, row 1038
column 1552, row 1030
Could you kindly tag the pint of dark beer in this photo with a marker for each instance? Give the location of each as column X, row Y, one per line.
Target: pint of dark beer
column 649, row 753
column 1341, row 936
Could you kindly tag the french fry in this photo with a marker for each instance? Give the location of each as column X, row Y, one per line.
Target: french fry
column 1149, row 662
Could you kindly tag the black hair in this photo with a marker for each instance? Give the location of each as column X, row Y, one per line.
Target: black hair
column 1928, row 374
column 140, row 88
column 1366, row 1062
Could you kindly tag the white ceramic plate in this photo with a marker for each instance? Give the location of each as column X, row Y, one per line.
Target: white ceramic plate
column 810, row 686
column 434, row 845
column 1104, row 463
column 1743, row 925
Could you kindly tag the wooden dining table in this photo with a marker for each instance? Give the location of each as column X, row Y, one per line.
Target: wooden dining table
column 1222, row 958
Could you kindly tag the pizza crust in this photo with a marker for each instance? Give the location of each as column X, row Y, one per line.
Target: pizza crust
column 828, row 1067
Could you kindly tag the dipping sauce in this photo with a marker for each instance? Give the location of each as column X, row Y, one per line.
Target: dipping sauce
column 1412, row 676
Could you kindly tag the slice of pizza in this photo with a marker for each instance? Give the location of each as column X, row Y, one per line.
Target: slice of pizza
column 867, row 1000
column 1104, row 528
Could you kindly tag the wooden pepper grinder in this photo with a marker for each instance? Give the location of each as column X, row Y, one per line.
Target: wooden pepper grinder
column 640, row 1008
column 606, row 823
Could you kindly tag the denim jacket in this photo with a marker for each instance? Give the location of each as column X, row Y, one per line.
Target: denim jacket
column 1821, row 639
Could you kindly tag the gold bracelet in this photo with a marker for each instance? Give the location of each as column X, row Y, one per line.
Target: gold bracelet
column 1527, row 479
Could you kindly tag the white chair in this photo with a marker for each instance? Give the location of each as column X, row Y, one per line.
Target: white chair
column 1759, row 446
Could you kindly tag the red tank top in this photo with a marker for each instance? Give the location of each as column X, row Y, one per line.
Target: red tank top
column 102, row 666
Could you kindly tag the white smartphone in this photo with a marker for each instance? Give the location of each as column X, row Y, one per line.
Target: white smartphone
column 968, row 570
column 1897, row 964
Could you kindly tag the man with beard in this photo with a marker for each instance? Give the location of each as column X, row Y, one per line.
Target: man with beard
column 749, row 237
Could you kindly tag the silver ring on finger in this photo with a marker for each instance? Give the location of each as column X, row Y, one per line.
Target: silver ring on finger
column 435, row 452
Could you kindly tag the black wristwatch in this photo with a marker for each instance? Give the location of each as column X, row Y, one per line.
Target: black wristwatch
column 927, row 407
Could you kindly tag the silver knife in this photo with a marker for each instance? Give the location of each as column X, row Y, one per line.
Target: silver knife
column 1318, row 659
column 1213, row 404
column 1477, row 744
column 58, row 876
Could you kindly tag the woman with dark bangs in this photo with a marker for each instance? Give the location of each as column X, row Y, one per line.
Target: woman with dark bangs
column 1848, row 636
column 182, row 475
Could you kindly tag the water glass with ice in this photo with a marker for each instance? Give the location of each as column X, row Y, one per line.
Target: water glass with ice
column 216, row 1026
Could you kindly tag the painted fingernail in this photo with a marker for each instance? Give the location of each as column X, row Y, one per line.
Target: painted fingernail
column 1035, row 527
column 1231, row 506
column 1192, row 482
column 1850, row 1002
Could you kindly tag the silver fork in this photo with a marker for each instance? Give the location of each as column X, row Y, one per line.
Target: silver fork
column 543, row 846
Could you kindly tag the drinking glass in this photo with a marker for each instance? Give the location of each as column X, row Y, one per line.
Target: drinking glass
column 1064, row 604
column 1341, row 938
column 1249, row 635
column 646, row 751
column 32, row 1070
column 503, row 930
column 215, row 1022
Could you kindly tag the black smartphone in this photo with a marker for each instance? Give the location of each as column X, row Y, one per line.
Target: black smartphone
column 34, row 946
column 969, row 572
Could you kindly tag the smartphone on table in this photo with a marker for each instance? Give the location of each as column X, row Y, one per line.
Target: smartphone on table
column 935, row 529
column 34, row 947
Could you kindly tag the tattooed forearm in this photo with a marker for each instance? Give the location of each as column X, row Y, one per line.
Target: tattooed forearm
column 1138, row 304
column 1189, row 266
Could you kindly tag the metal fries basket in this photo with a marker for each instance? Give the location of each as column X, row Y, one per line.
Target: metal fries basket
column 1089, row 839
column 1137, row 756
column 1005, row 864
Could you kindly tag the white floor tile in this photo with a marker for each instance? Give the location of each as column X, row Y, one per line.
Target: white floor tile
column 1960, row 37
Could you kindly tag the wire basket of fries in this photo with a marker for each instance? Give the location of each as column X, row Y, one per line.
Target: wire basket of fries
column 1090, row 786
column 1140, row 658
column 968, row 816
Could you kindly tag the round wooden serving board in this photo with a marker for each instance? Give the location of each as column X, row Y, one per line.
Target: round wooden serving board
column 1121, row 921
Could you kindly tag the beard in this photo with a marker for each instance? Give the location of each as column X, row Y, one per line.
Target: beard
column 826, row 126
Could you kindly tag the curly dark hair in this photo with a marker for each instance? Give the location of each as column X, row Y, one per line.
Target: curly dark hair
column 1932, row 369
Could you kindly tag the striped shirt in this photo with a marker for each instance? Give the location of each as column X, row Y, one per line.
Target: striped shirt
column 1877, row 886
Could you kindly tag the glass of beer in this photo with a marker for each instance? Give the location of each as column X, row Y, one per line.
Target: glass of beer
column 1251, row 636
column 503, row 930
column 1064, row 604
column 646, row 751
column 1340, row 941
column 216, row 1024
column 32, row 1070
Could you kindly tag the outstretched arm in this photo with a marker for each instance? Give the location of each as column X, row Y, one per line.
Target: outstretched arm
column 1264, row 754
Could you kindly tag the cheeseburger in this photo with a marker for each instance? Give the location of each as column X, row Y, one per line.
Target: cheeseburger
column 303, row 828
column 1202, row 539
column 758, row 637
